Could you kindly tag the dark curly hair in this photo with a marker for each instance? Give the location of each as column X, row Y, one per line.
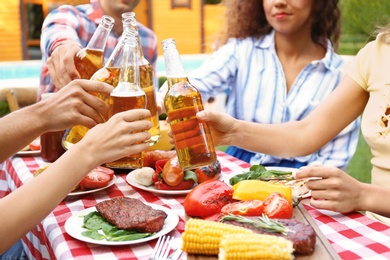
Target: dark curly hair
column 247, row 18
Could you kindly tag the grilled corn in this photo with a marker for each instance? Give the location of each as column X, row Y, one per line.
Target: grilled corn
column 255, row 246
column 203, row 236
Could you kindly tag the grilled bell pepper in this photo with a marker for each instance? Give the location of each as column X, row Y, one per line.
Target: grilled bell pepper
column 259, row 190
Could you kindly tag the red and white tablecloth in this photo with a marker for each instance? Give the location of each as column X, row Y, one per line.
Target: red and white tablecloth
column 353, row 236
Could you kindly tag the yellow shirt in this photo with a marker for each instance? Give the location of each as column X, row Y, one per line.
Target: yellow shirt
column 371, row 70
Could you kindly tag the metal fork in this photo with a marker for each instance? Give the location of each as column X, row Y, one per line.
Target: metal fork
column 162, row 248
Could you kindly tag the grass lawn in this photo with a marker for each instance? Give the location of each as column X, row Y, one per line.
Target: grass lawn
column 360, row 165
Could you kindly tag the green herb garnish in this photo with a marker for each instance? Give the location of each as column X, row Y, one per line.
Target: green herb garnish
column 261, row 222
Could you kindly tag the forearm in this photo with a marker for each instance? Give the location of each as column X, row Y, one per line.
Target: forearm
column 285, row 140
column 18, row 129
column 371, row 199
column 36, row 199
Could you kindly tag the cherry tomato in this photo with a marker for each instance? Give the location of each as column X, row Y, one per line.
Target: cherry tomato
column 172, row 173
column 35, row 145
column 97, row 178
column 206, row 173
column 208, row 198
column 277, row 206
column 244, row 208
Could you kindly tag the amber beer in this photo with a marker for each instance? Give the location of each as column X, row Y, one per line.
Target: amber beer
column 88, row 61
column 193, row 141
column 120, row 103
column 146, row 83
column 76, row 133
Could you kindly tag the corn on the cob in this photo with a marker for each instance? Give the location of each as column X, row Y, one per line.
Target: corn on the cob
column 203, row 237
column 255, row 246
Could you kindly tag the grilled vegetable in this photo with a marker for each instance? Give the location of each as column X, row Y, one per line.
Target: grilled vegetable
column 259, row 190
column 276, row 206
column 211, row 172
column 255, row 246
column 203, row 236
column 207, row 198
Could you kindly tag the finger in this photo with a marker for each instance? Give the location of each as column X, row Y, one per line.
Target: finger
column 135, row 115
column 96, row 86
column 313, row 172
column 321, row 204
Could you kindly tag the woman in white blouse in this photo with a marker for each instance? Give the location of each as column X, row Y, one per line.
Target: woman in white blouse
column 276, row 62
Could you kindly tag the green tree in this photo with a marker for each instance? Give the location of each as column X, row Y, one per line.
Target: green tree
column 360, row 18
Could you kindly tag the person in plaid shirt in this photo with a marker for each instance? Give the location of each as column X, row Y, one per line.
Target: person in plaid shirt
column 68, row 29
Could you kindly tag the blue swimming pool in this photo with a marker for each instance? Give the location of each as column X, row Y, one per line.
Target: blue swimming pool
column 31, row 69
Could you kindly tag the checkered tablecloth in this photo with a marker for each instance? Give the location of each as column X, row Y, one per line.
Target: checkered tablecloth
column 353, row 236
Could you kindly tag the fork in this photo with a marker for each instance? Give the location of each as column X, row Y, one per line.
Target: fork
column 162, row 248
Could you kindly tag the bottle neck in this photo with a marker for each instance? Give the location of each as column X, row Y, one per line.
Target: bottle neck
column 129, row 81
column 130, row 23
column 100, row 36
column 174, row 66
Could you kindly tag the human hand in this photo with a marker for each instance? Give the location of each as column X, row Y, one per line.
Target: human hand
column 61, row 65
column 332, row 189
column 123, row 134
column 222, row 126
column 73, row 105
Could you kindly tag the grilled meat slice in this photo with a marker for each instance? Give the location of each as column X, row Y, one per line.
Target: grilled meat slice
column 132, row 214
column 303, row 236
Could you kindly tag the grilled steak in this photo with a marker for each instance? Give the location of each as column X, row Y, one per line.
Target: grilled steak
column 303, row 237
column 132, row 214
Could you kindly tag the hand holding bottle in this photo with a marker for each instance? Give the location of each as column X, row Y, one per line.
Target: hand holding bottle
column 74, row 105
column 61, row 64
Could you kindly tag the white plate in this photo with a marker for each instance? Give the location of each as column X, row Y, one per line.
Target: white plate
column 286, row 169
column 78, row 192
column 131, row 180
column 29, row 153
column 74, row 227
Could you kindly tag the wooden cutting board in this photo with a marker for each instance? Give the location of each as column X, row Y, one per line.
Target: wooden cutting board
column 323, row 249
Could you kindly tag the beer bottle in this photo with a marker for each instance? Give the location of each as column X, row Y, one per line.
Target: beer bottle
column 91, row 58
column 193, row 142
column 128, row 95
column 108, row 74
column 51, row 148
column 146, row 78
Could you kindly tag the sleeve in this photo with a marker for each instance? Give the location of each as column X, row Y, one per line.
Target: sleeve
column 340, row 150
column 60, row 26
column 360, row 66
column 149, row 46
column 217, row 72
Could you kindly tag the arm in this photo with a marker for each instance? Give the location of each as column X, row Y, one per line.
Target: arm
column 72, row 105
column 113, row 140
column 340, row 192
column 296, row 138
column 340, row 150
column 60, row 42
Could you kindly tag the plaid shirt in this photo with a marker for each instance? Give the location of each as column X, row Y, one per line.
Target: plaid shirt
column 76, row 24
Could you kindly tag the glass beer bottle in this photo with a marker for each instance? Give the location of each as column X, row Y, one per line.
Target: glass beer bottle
column 146, row 78
column 91, row 58
column 193, row 142
column 108, row 74
column 51, row 148
column 128, row 95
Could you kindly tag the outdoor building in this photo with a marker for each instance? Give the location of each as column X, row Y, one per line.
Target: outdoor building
column 191, row 22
